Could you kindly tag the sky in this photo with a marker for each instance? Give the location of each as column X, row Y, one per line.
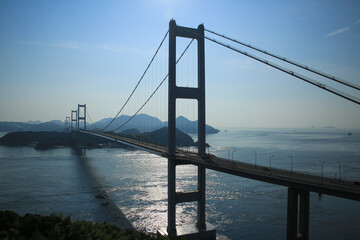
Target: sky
column 57, row 54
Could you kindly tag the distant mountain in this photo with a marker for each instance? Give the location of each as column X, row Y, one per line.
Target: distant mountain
column 191, row 127
column 103, row 122
column 142, row 122
column 146, row 123
column 132, row 131
column 57, row 122
column 49, row 126
column 34, row 122
column 21, row 127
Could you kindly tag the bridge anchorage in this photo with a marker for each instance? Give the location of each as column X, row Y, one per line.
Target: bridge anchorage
column 202, row 229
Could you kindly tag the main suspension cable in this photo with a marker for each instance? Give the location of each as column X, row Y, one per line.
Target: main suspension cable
column 87, row 112
column 336, row 79
column 167, row 75
column 297, row 75
column 137, row 83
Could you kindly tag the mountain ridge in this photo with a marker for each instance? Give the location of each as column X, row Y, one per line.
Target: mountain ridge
column 142, row 122
column 24, row 126
column 147, row 123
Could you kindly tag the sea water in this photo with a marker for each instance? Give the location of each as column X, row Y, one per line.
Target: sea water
column 123, row 186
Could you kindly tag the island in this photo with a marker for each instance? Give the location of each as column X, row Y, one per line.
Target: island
column 53, row 139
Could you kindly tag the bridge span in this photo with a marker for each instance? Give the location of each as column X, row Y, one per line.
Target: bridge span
column 293, row 179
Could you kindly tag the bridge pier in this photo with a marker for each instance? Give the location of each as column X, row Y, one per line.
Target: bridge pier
column 171, row 228
column 201, row 223
column 201, row 229
column 298, row 214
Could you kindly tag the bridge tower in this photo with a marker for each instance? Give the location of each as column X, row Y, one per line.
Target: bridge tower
column 83, row 117
column 73, row 118
column 67, row 123
column 202, row 229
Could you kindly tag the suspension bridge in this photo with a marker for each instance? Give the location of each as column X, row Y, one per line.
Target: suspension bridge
column 176, row 83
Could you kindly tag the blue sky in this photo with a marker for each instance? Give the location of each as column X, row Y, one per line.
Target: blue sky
column 56, row 54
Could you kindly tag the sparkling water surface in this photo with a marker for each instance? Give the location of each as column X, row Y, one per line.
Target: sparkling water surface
column 108, row 184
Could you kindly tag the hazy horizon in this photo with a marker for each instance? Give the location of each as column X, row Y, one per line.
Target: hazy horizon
column 215, row 126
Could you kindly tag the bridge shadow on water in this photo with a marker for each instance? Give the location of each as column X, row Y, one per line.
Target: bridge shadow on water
column 114, row 215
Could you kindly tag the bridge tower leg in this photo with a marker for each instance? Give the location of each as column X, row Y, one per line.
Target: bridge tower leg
column 83, row 117
column 201, row 230
column 298, row 214
column 73, row 119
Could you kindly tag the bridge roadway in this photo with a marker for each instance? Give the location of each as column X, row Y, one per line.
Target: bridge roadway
column 304, row 181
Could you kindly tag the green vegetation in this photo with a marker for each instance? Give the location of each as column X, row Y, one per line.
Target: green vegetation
column 33, row 226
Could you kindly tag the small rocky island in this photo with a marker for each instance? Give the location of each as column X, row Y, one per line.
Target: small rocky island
column 50, row 140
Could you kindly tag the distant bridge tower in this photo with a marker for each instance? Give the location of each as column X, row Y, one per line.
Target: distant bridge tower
column 202, row 229
column 67, row 123
column 81, row 116
column 73, row 118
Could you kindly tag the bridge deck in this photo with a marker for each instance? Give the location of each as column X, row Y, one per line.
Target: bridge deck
column 304, row 181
